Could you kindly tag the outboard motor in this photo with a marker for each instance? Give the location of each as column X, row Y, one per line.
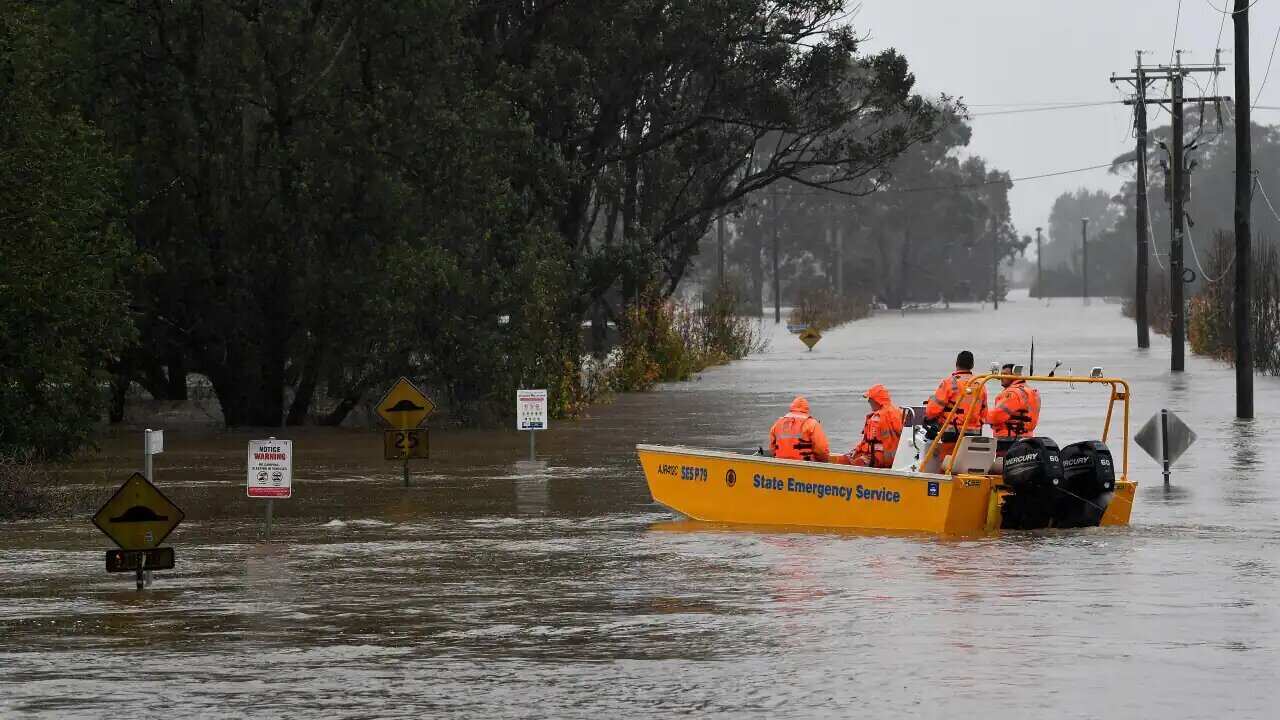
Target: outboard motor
column 1033, row 474
column 1089, row 478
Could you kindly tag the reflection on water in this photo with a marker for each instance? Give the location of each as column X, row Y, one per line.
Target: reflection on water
column 489, row 589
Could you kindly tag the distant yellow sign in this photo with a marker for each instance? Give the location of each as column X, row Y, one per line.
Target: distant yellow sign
column 400, row 444
column 138, row 516
column 405, row 406
column 810, row 337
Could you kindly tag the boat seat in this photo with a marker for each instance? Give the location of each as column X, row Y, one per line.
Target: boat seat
column 974, row 455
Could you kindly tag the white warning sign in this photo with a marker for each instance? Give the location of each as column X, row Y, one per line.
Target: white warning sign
column 531, row 409
column 270, row 469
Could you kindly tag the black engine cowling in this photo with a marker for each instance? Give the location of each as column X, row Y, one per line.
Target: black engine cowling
column 1089, row 476
column 1033, row 472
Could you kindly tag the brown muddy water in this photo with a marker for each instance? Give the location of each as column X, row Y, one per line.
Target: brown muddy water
column 486, row 592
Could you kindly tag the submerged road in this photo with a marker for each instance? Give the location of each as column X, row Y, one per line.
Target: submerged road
column 481, row 592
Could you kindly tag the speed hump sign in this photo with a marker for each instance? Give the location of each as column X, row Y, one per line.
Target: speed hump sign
column 399, row 444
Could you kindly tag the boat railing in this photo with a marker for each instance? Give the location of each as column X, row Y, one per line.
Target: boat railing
column 1119, row 393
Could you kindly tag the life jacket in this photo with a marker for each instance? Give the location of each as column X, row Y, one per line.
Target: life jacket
column 950, row 392
column 798, row 436
column 1016, row 412
column 881, row 434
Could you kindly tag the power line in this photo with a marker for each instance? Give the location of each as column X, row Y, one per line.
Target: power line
column 1177, row 20
column 1036, row 104
column 1046, row 108
column 1196, row 256
column 1267, row 74
column 965, row 186
column 1230, row 12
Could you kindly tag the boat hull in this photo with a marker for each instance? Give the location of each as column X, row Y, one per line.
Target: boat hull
column 746, row 489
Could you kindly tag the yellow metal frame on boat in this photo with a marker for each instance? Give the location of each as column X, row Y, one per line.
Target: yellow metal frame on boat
column 1119, row 393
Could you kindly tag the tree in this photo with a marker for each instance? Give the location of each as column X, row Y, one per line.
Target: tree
column 64, row 313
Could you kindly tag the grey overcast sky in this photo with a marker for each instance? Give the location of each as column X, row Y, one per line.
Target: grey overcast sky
column 992, row 52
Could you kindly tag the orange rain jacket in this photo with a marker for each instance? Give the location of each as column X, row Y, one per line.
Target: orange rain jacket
column 1016, row 412
column 881, row 433
column 799, row 436
column 951, row 391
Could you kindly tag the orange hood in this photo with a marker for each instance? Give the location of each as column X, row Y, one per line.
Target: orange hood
column 800, row 405
column 879, row 395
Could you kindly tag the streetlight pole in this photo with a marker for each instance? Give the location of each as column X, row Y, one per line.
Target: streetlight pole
column 1039, row 265
column 1084, row 260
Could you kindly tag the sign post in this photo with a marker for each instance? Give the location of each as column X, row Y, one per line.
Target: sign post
column 270, row 472
column 152, row 444
column 405, row 408
column 531, row 415
column 810, row 337
column 1165, row 437
column 137, row 518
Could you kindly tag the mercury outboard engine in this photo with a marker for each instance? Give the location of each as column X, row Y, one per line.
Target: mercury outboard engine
column 1033, row 474
column 1089, row 478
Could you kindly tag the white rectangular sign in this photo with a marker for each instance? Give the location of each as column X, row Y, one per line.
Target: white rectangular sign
column 531, row 409
column 155, row 442
column 270, row 469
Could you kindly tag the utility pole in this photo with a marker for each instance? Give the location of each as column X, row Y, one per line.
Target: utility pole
column 1177, row 362
column 1244, row 191
column 826, row 236
column 1140, row 282
column 1084, row 260
column 995, row 270
column 1175, row 74
column 1039, row 265
column 840, row 261
column 777, row 284
column 720, row 256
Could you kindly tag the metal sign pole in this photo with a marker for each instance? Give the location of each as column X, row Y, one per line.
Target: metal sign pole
column 532, row 455
column 270, row 502
column 146, row 455
column 405, row 453
column 1164, row 443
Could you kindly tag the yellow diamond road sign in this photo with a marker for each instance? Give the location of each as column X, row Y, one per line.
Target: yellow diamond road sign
column 138, row 516
column 405, row 406
column 810, row 337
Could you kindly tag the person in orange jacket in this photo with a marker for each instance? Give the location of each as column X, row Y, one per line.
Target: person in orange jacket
column 950, row 393
column 1017, row 408
column 798, row 435
column 880, row 432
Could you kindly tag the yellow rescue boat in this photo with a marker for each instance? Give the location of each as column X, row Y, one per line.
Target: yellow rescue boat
column 969, row 491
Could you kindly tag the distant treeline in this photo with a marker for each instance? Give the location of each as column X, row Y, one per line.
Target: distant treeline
column 301, row 201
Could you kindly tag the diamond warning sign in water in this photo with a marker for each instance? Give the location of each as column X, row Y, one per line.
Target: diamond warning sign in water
column 405, row 406
column 810, row 337
column 270, row 469
column 138, row 516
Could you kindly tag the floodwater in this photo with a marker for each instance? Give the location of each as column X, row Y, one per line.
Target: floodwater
column 487, row 591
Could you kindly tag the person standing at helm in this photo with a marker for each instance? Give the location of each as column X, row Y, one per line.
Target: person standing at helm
column 951, row 393
column 880, row 432
column 798, row 435
column 1016, row 411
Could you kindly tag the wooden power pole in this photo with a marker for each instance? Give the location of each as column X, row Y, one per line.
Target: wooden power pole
column 1144, row 232
column 1177, row 175
column 777, row 282
column 1244, row 191
column 1084, row 260
column 1039, row 265
column 1175, row 74
column 720, row 254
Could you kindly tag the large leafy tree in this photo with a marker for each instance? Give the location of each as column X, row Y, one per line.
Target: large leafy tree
column 64, row 314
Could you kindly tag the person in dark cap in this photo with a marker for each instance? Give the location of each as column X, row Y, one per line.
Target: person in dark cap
column 971, row 407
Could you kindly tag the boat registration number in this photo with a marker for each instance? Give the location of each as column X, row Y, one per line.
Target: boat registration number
column 684, row 472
